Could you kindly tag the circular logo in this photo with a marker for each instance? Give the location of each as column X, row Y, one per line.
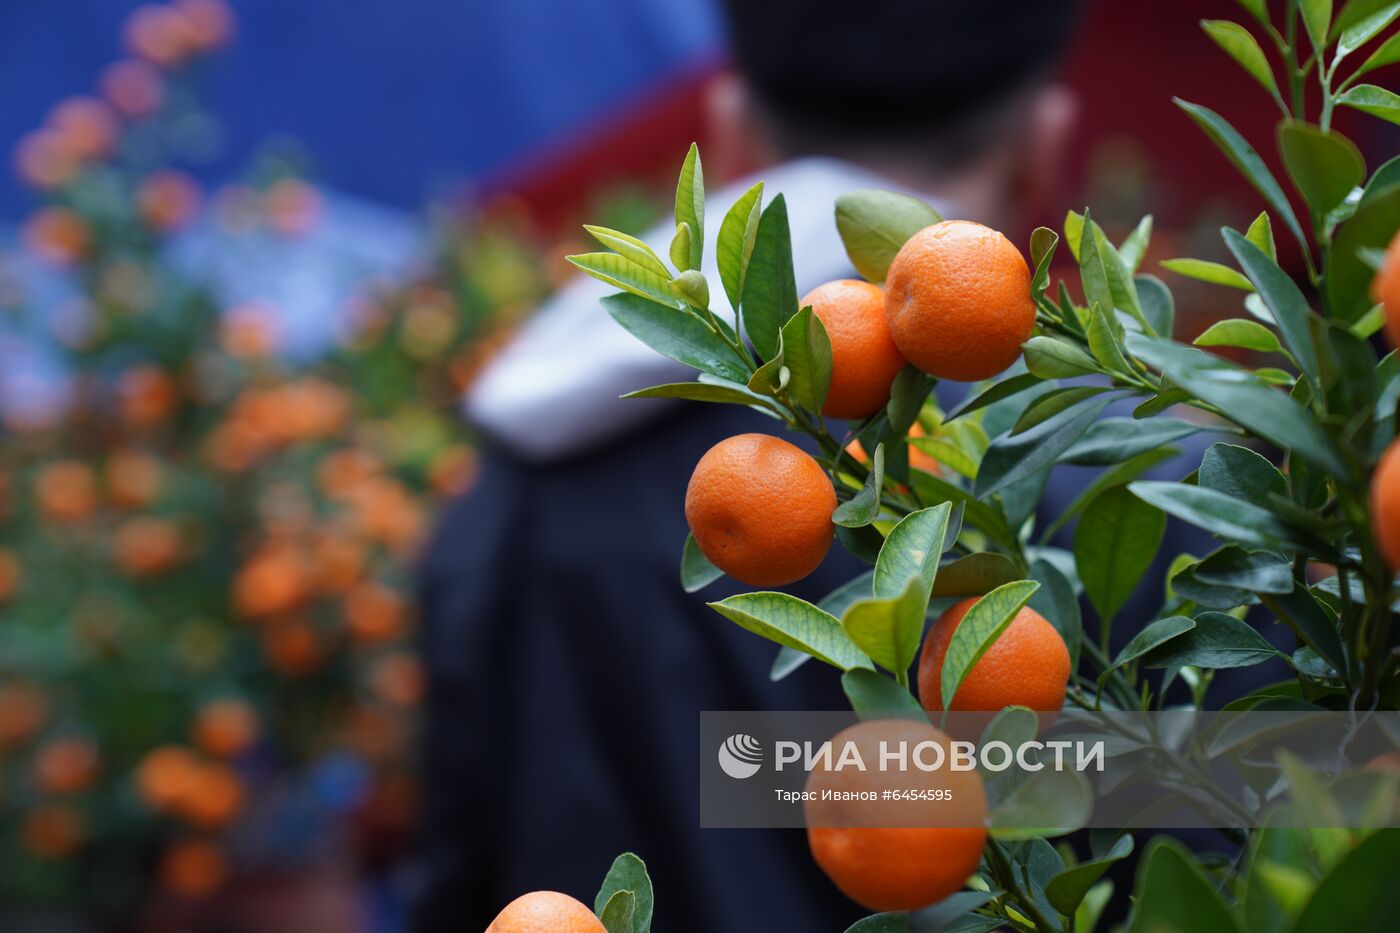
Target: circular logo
column 740, row 756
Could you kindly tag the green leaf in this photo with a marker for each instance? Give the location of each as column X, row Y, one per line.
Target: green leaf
column 874, row 224
column 1134, row 248
column 1219, row 514
column 1317, row 18
column 1254, row 571
column 630, row 247
column 1013, row 457
column 888, row 629
column 795, row 623
column 1173, row 893
column 913, row 550
column 1157, row 304
column 1280, row 295
column 1259, row 9
column 621, row 272
column 1240, row 45
column 978, row 630
column 1315, row 625
column 993, row 393
column 1068, row 888
column 1108, row 282
column 1057, row 601
column 1043, row 243
column 953, row 914
column 1114, row 440
column 1243, row 397
column 881, row 923
column 1356, row 894
column 1387, row 54
column 681, row 336
column 1242, row 473
column 1051, row 802
column 974, row 575
column 680, row 247
column 619, row 913
column 1239, row 332
column 693, row 288
column 1325, row 166
column 1105, row 343
column 1357, row 34
column 807, row 355
column 1074, row 232
column 690, row 203
column 1242, row 155
column 1117, row 538
column 875, row 696
column 1376, row 101
column 737, row 234
column 1205, row 271
column 702, row 392
column 863, row 508
column 1154, row 635
column 1117, row 476
column 628, row 873
column 1282, row 846
column 696, row 570
column 770, row 290
column 1052, row 403
column 1049, row 358
column 1347, row 278
column 1261, row 234
column 1216, row 641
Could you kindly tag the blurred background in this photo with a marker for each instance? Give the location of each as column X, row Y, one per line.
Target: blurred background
column 252, row 253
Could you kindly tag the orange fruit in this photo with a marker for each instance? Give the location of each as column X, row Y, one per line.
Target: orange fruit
column 1385, row 289
column 760, row 509
column 209, row 22
column 134, row 87
column 65, row 766
column 22, row 711
column 291, row 206
column 895, row 854
column 87, row 125
column 398, row 679
column 166, row 776
column 44, row 161
column 66, row 490
column 225, row 728
column 275, row 581
column 10, row 576
column 147, row 395
column 864, row 360
column 293, row 648
column 213, row 797
column 161, row 35
column 56, row 235
column 53, row 831
column 133, row 478
column 193, row 868
column 167, row 200
column 958, row 301
column 1385, row 504
column 147, row 546
column 1028, row 665
column 917, row 458
column 546, row 912
column 374, row 613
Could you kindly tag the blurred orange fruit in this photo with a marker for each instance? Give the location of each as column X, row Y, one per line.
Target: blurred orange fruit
column 374, row 613
column 760, row 509
column 133, row 478
column 43, row 160
column 398, row 679
column 546, row 912
column 66, row 490
column 1028, row 665
column 10, row 576
column 274, row 581
column 167, row 200
column 214, row 796
column 147, row 396
column 896, row 854
column 339, row 561
column 291, row 206
column 344, row 471
column 146, row 546
column 193, row 868
column 209, row 22
column 22, row 712
column 135, row 88
column 918, row 459
column 56, row 235
column 452, row 470
column 161, row 35
column 53, row 831
column 226, row 728
column 1385, row 504
column 864, row 360
column 249, row 331
column 958, row 301
column 87, row 126
column 65, row 766
column 1385, row 289
column 293, row 648
column 166, row 775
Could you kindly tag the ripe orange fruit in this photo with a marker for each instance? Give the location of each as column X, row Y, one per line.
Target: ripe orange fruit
column 10, row 576
column 546, row 912
column 272, row 582
column 214, row 797
column 917, row 458
column 133, row 478
column 166, row 775
column 87, row 125
column 293, row 648
column 1385, row 289
column 66, row 490
column 1027, row 666
column 134, row 87
column 225, row 728
column 65, row 766
column 146, row 546
column 958, row 301
column 864, row 360
column 1385, row 504
column 760, row 509
column 895, row 854
column 56, row 235
column 167, row 200
column 374, row 613
column 193, row 868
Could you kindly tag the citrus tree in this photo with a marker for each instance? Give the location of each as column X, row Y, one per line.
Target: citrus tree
column 1303, row 497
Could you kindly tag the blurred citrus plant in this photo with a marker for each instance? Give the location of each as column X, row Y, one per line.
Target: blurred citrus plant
column 943, row 504
column 206, row 550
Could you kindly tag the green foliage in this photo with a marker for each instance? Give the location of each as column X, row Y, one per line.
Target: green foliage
column 874, row 225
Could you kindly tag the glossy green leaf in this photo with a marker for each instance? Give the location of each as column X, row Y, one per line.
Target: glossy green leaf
column 993, row 393
column 912, row 550
column 974, row 575
column 1261, row 234
column 1157, row 304
column 1259, row 9
column 1242, row 155
column 1050, row 358
column 978, row 630
column 888, row 629
column 1043, row 243
column 1205, row 271
column 1119, row 475
column 1388, row 53
column 1117, row 538
column 696, row 570
column 1317, row 19
column 1152, row 636
column 1376, row 101
column 628, row 873
column 1347, row 279
column 1013, row 457
column 795, row 623
column 619, row 912
column 1216, row 641
column 1239, row 44
column 702, row 392
column 1324, row 165
column 630, row 247
column 680, row 247
column 807, row 355
column 1255, row 571
column 1175, row 894
column 1242, row 473
column 1232, row 518
column 1134, row 248
column 681, row 336
column 693, row 288
column 621, row 272
column 1067, row 889
column 1314, row 624
column 875, row 696
column 1105, row 344
column 1357, row 34
column 734, row 247
column 1357, row 894
column 770, row 289
column 874, row 224
column 1114, row 440
column 1052, row 403
column 862, row 508
column 1058, row 602
column 1239, row 332
column 690, row 203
